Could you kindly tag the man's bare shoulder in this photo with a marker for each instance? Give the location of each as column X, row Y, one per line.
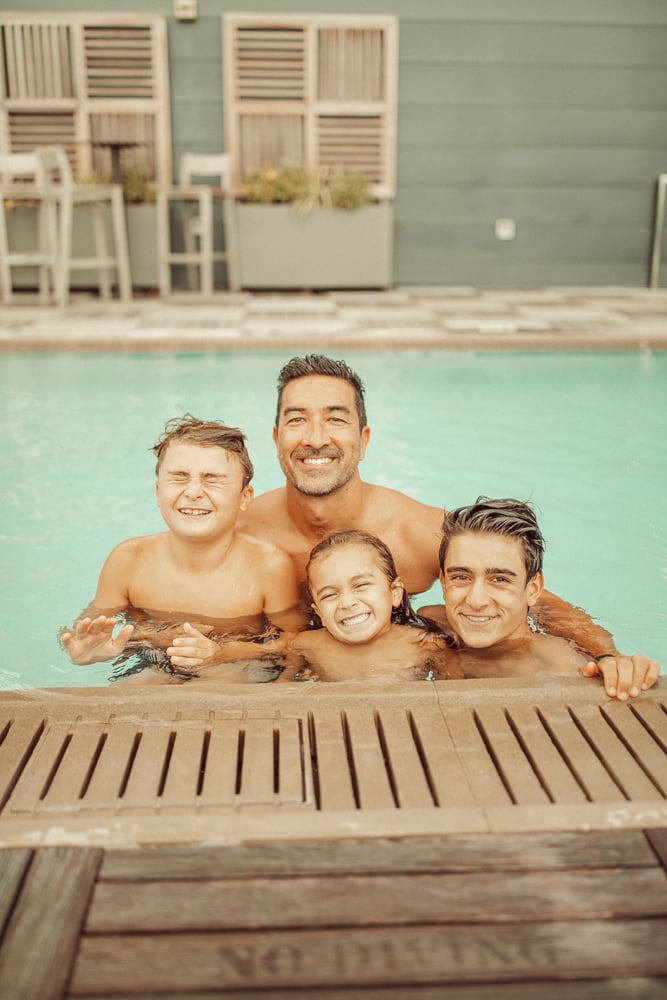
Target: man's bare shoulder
column 263, row 513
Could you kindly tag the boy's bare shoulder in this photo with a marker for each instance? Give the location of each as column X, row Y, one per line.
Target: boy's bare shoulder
column 138, row 547
column 262, row 549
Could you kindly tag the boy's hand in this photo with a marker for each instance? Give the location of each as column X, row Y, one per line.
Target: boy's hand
column 191, row 650
column 91, row 640
column 624, row 676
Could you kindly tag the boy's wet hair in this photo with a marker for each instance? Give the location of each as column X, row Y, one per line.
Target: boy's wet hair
column 512, row 518
column 404, row 613
column 319, row 364
column 207, row 434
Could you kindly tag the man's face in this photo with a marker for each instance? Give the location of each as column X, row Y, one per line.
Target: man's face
column 485, row 588
column 200, row 490
column 318, row 438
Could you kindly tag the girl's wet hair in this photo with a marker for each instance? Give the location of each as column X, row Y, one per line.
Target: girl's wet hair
column 206, row 433
column 319, row 364
column 404, row 613
column 512, row 518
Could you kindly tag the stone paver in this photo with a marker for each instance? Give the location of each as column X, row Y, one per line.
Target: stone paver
column 435, row 317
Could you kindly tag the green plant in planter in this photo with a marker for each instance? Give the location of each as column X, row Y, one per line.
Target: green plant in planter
column 137, row 186
column 306, row 189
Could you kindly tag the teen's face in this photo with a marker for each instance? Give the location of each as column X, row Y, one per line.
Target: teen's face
column 318, row 438
column 200, row 490
column 351, row 593
column 485, row 589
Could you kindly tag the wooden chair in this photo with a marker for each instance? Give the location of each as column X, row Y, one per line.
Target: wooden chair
column 23, row 181
column 197, row 201
column 99, row 198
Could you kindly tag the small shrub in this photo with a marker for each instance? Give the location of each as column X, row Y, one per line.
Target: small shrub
column 307, row 189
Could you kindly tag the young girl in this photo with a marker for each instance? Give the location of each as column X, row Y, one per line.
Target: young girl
column 370, row 631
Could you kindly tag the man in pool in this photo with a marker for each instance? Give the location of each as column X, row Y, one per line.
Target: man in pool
column 201, row 567
column 321, row 435
column 490, row 558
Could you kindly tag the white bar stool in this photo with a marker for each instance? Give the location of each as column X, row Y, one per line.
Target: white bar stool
column 99, row 198
column 658, row 224
column 23, row 181
column 198, row 201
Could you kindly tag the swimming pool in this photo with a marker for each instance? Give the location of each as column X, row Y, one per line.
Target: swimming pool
column 580, row 434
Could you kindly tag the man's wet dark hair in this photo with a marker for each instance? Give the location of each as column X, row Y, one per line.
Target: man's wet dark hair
column 319, row 364
column 206, row 433
column 512, row 518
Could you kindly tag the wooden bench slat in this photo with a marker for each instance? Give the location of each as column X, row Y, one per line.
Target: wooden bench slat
column 13, row 866
column 479, row 897
column 42, row 935
column 483, row 953
column 540, row 851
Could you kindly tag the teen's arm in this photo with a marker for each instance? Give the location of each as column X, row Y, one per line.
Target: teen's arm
column 624, row 676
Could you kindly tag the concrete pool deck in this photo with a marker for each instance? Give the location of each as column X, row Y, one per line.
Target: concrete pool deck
column 599, row 318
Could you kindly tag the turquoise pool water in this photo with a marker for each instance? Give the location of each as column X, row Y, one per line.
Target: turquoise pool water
column 580, row 434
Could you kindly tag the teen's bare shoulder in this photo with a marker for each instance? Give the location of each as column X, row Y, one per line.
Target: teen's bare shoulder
column 136, row 548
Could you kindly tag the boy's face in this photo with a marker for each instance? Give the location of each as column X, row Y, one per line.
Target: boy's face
column 485, row 588
column 200, row 490
column 318, row 438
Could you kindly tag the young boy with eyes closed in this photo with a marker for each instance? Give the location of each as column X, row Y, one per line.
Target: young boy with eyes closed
column 199, row 571
column 370, row 632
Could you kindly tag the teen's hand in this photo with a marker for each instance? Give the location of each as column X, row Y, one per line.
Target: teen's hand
column 624, row 676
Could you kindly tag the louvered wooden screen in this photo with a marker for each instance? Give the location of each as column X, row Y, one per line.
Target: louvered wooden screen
column 82, row 81
column 312, row 90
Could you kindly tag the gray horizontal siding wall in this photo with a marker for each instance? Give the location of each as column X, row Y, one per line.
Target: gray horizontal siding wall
column 553, row 114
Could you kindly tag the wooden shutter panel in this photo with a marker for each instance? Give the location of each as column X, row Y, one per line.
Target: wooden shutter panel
column 312, row 90
column 77, row 80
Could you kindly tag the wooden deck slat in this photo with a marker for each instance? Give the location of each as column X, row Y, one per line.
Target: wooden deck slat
column 295, row 784
column 423, row 954
column 482, row 776
column 145, row 776
column 412, row 787
column 556, row 777
column 16, row 749
column 583, row 761
column 27, row 794
column 654, row 717
column 441, row 757
column 525, row 786
column 257, row 779
column 106, row 781
column 219, row 787
column 333, row 778
column 364, row 900
column 619, row 761
column 182, row 777
column 42, row 935
column 68, row 782
column 370, row 767
column 644, row 747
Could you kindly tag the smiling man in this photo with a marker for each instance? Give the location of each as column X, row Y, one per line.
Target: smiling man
column 201, row 568
column 491, row 557
column 321, row 435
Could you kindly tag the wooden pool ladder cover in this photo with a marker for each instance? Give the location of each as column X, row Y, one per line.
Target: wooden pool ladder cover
column 193, row 764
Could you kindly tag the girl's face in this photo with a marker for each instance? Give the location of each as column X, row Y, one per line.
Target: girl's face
column 351, row 593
